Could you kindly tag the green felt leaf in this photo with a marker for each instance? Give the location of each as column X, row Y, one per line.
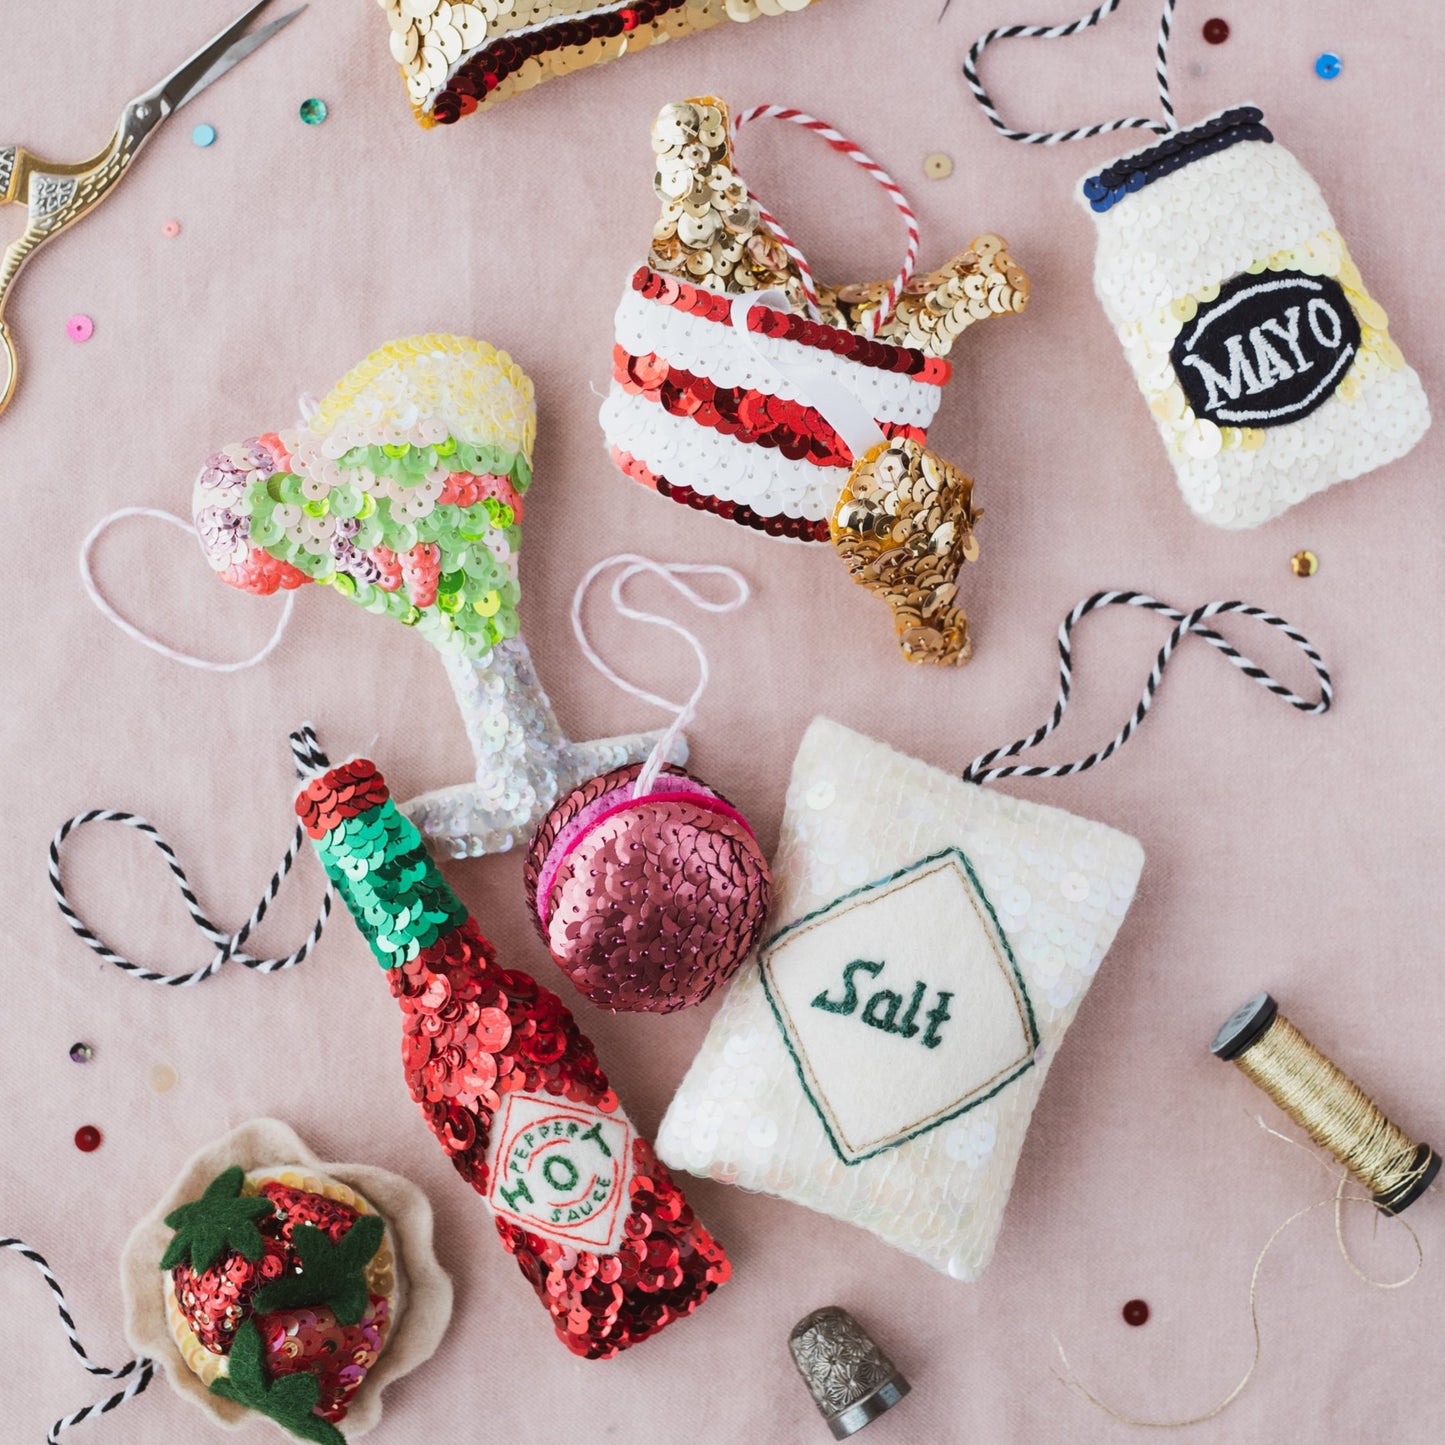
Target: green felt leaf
column 221, row 1219
column 330, row 1275
column 289, row 1401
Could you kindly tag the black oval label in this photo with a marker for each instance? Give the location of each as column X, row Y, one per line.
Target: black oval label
column 1268, row 350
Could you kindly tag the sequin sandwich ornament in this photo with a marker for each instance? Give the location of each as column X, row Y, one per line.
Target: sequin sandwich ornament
column 404, row 493
column 513, row 1091
column 268, row 1282
column 646, row 885
column 881, row 1058
column 1266, row 362
column 742, row 387
column 460, row 57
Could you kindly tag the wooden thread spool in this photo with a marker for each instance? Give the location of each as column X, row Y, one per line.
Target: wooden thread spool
column 1329, row 1106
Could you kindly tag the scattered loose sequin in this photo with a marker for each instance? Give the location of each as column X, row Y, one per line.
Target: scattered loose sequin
column 1216, row 31
column 313, row 111
column 81, row 1053
column 171, row 229
column 475, row 1035
column 87, row 1138
column 207, row 1308
column 938, row 167
column 648, row 903
column 1304, row 564
column 162, row 1079
column 1136, row 1312
column 80, row 327
column 1328, row 65
column 203, row 135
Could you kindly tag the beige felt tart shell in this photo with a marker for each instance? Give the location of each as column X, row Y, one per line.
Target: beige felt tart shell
column 405, row 1269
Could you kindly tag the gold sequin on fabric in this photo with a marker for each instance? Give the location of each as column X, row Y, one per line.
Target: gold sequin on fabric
column 904, row 527
column 711, row 233
column 457, row 58
column 1304, row 564
column 938, row 167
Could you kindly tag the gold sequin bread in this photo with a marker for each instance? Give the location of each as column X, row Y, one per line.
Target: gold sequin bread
column 457, row 58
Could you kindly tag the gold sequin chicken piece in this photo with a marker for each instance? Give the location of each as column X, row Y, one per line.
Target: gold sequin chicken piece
column 712, row 233
column 904, row 527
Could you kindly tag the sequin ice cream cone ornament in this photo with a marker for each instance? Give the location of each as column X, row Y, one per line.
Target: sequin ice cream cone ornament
column 512, row 1089
column 461, row 57
column 404, row 493
column 1265, row 360
column 744, row 387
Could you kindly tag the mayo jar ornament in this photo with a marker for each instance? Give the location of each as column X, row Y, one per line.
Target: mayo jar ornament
column 743, row 387
column 1266, row 362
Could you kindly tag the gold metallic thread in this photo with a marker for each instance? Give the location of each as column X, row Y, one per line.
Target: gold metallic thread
column 1332, row 1109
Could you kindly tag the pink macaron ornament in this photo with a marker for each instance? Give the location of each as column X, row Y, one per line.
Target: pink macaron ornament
column 647, row 885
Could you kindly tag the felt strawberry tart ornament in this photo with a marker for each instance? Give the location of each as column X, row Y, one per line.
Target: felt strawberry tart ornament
column 267, row 1282
column 745, row 387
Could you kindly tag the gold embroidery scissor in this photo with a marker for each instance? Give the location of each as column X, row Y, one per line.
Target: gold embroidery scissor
column 59, row 195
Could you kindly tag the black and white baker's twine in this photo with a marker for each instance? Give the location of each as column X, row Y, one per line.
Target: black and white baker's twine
column 138, row 1372
column 1058, row 32
column 980, row 770
column 309, row 759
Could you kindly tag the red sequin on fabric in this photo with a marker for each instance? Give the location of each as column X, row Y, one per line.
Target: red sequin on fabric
column 471, row 1032
column 217, row 1301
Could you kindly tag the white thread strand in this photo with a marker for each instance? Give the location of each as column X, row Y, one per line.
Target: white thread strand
column 980, row 770
column 672, row 573
column 864, row 161
column 1059, row 32
column 107, row 611
column 309, row 759
column 138, row 1371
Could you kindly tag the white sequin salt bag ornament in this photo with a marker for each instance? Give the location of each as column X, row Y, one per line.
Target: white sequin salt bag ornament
column 1267, row 364
column 930, row 942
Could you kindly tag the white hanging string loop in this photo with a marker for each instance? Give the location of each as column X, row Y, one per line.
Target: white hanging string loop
column 205, row 664
column 673, row 573
column 1058, row 32
column 137, row 1372
column 864, row 161
column 980, row 770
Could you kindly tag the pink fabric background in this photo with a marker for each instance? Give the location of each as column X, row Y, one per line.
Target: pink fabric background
column 1283, row 852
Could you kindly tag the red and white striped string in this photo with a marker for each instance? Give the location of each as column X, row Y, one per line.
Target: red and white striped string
column 864, row 161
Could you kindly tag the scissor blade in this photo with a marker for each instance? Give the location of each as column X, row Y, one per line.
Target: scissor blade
column 212, row 61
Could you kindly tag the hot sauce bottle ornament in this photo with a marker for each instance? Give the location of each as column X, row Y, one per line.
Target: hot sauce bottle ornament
column 512, row 1089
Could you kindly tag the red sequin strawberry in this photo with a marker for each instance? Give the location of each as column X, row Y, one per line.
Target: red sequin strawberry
column 275, row 1282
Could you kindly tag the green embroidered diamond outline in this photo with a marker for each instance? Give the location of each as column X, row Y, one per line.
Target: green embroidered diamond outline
column 764, row 964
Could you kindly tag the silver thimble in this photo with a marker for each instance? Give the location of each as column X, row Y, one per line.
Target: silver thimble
column 851, row 1380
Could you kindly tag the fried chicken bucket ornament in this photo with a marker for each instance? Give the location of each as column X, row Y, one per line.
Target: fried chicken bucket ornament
column 743, row 387
column 404, row 492
column 512, row 1089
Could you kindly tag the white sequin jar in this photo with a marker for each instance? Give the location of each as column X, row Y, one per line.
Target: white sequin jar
column 1267, row 364
column 880, row 1058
